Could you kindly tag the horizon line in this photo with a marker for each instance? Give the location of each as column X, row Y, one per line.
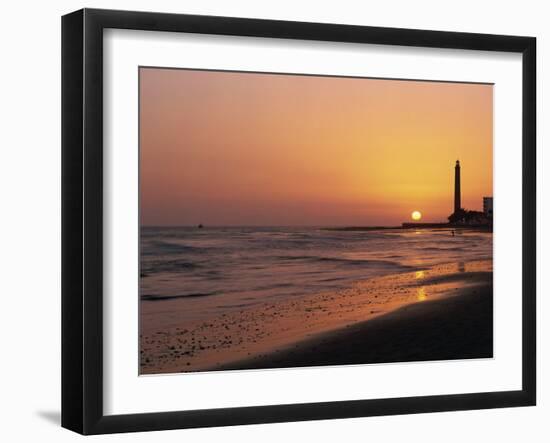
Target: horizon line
column 283, row 226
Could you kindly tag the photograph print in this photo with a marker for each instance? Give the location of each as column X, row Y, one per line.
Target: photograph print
column 292, row 220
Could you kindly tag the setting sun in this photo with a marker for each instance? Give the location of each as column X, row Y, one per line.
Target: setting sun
column 416, row 215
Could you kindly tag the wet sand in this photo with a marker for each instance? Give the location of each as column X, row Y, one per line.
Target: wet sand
column 444, row 312
column 457, row 327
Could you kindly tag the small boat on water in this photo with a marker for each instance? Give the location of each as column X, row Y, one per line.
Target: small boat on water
column 200, row 226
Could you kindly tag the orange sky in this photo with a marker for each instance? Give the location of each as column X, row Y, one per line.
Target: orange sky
column 223, row 148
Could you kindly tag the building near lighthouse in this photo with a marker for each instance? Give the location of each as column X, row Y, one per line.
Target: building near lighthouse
column 488, row 207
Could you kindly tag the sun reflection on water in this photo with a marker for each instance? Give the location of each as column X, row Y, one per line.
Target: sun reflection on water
column 421, row 294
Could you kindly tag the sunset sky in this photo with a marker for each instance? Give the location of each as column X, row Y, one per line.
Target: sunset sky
column 223, row 148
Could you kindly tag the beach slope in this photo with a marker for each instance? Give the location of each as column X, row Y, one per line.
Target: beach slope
column 444, row 312
column 455, row 327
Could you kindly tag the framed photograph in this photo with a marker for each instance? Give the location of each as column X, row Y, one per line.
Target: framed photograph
column 269, row 221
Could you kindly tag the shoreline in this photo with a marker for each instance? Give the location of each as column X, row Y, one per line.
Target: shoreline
column 233, row 339
column 408, row 334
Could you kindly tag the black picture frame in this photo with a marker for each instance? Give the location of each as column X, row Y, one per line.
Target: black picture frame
column 82, row 220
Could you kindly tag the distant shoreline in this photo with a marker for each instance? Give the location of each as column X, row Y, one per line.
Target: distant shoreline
column 403, row 226
column 409, row 226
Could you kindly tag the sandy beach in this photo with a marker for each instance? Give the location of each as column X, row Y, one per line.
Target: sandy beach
column 441, row 312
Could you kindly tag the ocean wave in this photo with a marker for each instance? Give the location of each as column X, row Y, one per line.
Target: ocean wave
column 436, row 249
column 236, row 263
column 159, row 247
column 342, row 260
column 155, row 297
column 156, row 266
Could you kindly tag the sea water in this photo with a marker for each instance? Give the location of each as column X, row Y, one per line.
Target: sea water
column 244, row 266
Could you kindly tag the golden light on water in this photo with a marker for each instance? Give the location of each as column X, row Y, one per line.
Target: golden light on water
column 416, row 215
column 421, row 294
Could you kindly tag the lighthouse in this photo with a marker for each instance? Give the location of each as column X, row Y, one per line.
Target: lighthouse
column 457, row 187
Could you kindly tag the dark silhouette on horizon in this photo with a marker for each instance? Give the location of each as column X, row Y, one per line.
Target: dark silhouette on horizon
column 457, row 187
column 460, row 216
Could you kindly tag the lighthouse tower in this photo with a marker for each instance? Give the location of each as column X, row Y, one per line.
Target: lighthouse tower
column 457, row 186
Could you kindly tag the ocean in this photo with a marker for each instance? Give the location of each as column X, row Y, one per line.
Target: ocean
column 237, row 267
